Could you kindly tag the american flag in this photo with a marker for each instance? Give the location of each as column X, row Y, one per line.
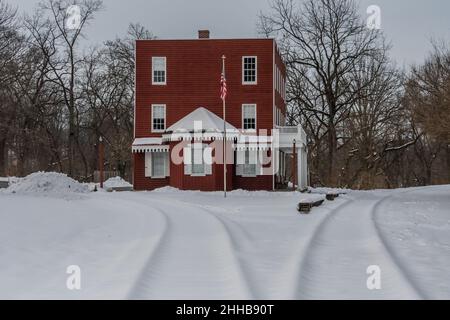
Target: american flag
column 223, row 86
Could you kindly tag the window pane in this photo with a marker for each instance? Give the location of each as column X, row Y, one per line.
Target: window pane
column 158, row 164
column 249, row 165
column 198, row 169
column 159, row 69
column 159, row 117
column 249, row 69
column 249, row 116
column 198, row 165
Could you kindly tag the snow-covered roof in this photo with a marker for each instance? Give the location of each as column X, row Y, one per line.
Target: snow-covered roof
column 149, row 145
column 210, row 122
column 147, row 141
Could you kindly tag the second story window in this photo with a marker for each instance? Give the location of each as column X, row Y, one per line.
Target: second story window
column 158, row 117
column 249, row 116
column 159, row 71
column 249, row 70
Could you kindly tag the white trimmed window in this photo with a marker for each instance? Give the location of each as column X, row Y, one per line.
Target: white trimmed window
column 197, row 160
column 249, row 116
column 159, row 76
column 158, row 117
column 250, row 70
column 157, row 165
column 247, row 163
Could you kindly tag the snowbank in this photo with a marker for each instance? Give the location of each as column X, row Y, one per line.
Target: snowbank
column 47, row 184
column 116, row 182
column 324, row 190
column 167, row 189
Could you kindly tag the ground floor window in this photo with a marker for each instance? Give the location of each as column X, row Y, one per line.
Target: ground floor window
column 157, row 165
column 197, row 159
column 247, row 163
column 250, row 160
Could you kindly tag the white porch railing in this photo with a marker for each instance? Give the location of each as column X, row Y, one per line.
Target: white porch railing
column 287, row 136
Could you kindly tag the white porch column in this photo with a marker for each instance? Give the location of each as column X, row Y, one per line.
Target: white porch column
column 299, row 168
column 302, row 168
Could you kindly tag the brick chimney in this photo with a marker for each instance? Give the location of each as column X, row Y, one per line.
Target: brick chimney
column 203, row 34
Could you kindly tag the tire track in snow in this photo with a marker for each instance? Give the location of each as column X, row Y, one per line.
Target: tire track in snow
column 389, row 249
column 246, row 275
column 343, row 246
column 205, row 252
column 233, row 247
column 153, row 253
column 299, row 262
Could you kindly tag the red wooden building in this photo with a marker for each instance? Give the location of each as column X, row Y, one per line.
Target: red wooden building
column 179, row 116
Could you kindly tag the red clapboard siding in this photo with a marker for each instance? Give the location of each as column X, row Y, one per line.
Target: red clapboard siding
column 193, row 80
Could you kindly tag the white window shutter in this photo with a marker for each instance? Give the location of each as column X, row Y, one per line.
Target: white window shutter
column 259, row 164
column 208, row 160
column 167, row 164
column 187, row 160
column 240, row 160
column 148, row 165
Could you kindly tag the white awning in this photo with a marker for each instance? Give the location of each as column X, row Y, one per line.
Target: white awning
column 142, row 145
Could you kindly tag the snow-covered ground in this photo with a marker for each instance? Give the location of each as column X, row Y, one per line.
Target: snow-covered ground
column 194, row 245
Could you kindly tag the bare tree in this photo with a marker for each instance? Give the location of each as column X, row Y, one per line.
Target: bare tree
column 108, row 91
column 58, row 41
column 10, row 45
column 323, row 42
column 428, row 95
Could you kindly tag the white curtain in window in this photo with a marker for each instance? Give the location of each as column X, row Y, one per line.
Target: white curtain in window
column 158, row 164
column 159, row 64
column 158, row 112
column 249, row 111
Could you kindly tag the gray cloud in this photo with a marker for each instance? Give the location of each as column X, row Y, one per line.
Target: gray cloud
column 408, row 24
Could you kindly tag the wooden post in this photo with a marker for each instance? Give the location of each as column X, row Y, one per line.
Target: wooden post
column 101, row 160
column 294, row 165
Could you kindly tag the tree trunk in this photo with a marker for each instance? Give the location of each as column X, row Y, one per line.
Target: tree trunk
column 448, row 162
column 3, row 157
column 70, row 144
column 331, row 177
column 73, row 138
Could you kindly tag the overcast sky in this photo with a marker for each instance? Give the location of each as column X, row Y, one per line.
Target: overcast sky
column 408, row 24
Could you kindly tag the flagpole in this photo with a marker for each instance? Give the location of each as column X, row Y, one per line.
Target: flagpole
column 224, row 136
